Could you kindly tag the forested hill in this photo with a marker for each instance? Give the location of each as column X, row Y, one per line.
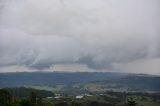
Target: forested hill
column 50, row 78
column 137, row 81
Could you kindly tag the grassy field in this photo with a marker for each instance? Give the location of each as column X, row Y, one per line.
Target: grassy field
column 148, row 103
column 56, row 88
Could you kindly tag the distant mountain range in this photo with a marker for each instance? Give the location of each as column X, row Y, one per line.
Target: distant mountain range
column 53, row 78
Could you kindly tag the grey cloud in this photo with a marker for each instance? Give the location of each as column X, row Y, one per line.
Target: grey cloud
column 98, row 33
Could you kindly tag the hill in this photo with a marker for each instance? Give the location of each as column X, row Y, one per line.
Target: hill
column 105, row 80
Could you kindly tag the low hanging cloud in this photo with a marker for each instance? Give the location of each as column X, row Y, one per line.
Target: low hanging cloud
column 99, row 33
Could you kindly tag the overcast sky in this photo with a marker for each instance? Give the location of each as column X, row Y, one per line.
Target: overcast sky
column 80, row 35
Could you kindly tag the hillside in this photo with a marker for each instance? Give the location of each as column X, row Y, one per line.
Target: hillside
column 103, row 80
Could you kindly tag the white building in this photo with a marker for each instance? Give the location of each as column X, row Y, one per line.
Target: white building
column 79, row 97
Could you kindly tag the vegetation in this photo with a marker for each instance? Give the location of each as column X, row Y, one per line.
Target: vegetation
column 33, row 97
column 131, row 102
column 96, row 81
column 79, row 89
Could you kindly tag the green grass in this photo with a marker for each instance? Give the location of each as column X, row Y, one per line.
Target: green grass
column 56, row 88
column 148, row 103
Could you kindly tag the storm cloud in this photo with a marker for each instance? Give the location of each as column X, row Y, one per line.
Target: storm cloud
column 99, row 33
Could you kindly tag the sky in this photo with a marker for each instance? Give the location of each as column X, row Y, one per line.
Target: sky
column 80, row 35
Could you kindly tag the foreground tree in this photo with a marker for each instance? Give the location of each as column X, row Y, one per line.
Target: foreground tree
column 131, row 102
column 94, row 103
column 5, row 98
column 33, row 98
column 25, row 102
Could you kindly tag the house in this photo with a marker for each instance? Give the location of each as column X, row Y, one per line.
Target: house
column 79, row 97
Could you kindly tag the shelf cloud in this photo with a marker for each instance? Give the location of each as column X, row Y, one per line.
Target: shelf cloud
column 38, row 34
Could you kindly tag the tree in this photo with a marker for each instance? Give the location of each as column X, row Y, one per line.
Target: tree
column 25, row 102
column 131, row 102
column 94, row 103
column 5, row 98
column 33, row 98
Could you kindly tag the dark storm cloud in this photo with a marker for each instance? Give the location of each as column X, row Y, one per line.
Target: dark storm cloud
column 99, row 33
